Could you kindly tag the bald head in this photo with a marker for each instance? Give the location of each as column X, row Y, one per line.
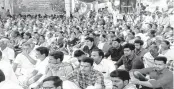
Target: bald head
column 3, row 43
column 4, row 40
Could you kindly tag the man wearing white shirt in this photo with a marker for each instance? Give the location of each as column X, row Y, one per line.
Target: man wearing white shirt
column 7, row 70
column 148, row 58
column 8, row 54
column 166, row 51
column 25, row 63
column 38, row 73
column 7, row 84
column 103, row 65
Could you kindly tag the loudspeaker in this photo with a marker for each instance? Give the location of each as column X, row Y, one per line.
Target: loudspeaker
column 127, row 6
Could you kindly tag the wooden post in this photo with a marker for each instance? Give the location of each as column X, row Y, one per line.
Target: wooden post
column 72, row 6
column 67, row 7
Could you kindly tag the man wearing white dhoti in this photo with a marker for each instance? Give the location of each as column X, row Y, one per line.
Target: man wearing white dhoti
column 7, row 70
column 5, row 84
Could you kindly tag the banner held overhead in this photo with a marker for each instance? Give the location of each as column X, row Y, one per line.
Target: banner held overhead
column 38, row 6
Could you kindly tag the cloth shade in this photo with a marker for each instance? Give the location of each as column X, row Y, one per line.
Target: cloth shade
column 88, row 1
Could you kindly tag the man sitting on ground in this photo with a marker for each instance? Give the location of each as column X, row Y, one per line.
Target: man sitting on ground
column 160, row 76
column 39, row 72
column 120, row 80
column 56, row 67
column 86, row 77
column 5, row 84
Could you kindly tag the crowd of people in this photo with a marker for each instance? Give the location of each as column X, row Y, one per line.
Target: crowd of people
column 87, row 51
